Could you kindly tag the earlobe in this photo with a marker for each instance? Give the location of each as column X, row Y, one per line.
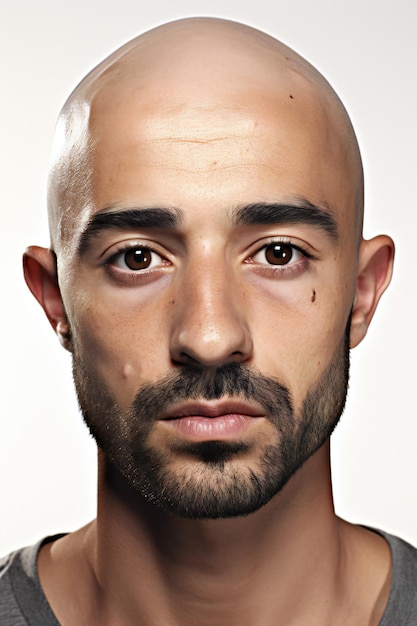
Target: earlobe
column 375, row 265
column 40, row 270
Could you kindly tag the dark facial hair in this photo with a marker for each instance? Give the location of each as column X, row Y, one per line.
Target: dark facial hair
column 210, row 484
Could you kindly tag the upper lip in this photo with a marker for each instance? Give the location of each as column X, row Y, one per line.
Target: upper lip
column 213, row 409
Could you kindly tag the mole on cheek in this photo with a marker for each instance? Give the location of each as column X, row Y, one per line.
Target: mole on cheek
column 313, row 296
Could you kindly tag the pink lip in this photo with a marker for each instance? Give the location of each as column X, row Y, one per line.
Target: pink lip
column 212, row 420
column 213, row 409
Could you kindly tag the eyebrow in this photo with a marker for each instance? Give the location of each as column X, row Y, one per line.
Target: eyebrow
column 127, row 219
column 302, row 212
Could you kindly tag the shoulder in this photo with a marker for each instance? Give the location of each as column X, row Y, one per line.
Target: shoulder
column 12, row 583
column 10, row 614
column 401, row 609
column 21, row 597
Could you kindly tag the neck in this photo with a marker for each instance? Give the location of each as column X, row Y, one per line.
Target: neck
column 137, row 564
column 219, row 568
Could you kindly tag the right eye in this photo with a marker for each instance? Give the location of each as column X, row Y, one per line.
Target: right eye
column 136, row 259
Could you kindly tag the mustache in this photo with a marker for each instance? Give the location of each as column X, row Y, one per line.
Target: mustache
column 230, row 380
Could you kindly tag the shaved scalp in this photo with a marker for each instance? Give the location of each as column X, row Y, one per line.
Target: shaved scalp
column 202, row 61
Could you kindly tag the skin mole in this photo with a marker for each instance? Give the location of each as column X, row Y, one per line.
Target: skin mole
column 313, row 296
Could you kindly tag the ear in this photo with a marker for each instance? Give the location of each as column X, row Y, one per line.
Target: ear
column 375, row 264
column 40, row 270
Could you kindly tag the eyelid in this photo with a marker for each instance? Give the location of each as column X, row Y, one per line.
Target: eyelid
column 129, row 244
column 302, row 247
column 119, row 259
column 115, row 253
column 295, row 252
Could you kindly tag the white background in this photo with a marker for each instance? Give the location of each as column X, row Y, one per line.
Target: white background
column 367, row 49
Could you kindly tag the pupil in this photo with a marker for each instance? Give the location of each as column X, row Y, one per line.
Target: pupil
column 138, row 259
column 278, row 253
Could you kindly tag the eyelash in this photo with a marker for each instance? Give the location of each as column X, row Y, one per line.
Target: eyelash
column 111, row 262
column 266, row 268
column 274, row 270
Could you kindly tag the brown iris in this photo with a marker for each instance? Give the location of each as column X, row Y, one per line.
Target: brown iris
column 278, row 253
column 138, row 258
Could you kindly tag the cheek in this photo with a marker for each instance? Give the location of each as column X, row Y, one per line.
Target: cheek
column 297, row 328
column 120, row 334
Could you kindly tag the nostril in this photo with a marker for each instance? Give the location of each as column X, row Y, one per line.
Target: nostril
column 186, row 358
column 204, row 360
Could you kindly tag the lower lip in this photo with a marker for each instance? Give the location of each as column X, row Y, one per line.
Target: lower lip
column 200, row 428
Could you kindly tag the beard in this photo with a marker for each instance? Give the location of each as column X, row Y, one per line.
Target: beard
column 212, row 481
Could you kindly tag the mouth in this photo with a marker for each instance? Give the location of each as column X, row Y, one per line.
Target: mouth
column 205, row 421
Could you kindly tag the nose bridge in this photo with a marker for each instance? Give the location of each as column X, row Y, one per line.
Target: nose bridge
column 209, row 325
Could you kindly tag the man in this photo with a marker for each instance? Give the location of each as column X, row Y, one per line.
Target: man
column 208, row 274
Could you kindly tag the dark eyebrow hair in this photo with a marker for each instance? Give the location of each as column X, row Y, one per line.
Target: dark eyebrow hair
column 126, row 219
column 303, row 212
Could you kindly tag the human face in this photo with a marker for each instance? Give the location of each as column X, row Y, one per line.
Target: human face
column 219, row 241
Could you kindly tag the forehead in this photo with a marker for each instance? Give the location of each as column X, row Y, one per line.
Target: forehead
column 209, row 147
column 240, row 133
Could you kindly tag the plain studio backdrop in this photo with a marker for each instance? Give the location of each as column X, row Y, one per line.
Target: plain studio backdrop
column 367, row 50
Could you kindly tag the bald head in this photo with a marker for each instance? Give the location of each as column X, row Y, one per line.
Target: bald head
column 195, row 82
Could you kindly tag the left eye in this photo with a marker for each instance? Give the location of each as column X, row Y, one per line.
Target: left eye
column 277, row 253
column 136, row 259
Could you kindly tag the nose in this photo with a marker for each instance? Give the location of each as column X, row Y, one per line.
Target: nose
column 209, row 326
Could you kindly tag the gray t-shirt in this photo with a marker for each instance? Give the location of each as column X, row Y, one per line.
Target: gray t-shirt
column 23, row 603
